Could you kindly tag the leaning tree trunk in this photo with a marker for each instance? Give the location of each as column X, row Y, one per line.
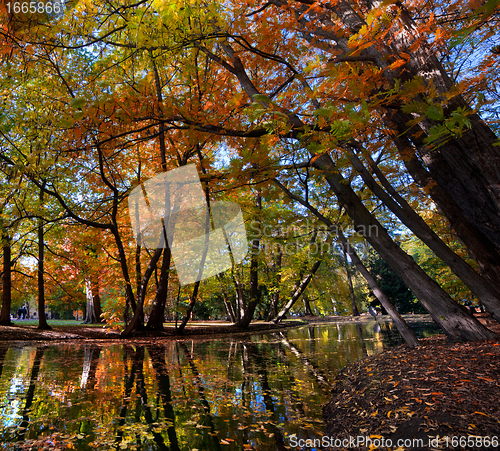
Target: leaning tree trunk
column 299, row 289
column 456, row 322
column 355, row 311
column 6, row 282
column 478, row 247
column 398, row 205
column 466, row 167
column 404, row 329
column 187, row 316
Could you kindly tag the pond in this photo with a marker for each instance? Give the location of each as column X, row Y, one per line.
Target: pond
column 236, row 393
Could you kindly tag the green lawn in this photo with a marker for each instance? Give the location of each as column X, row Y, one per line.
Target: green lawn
column 54, row 323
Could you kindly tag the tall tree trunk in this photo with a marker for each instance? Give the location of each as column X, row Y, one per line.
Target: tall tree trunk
column 307, row 305
column 275, row 298
column 157, row 315
column 138, row 279
column 244, row 322
column 138, row 318
column 93, row 308
column 6, row 282
column 136, row 323
column 42, row 320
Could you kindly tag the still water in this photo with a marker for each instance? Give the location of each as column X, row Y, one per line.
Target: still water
column 236, row 393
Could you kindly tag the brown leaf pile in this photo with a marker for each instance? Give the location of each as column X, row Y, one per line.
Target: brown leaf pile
column 439, row 388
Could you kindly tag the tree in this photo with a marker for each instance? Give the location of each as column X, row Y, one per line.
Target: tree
column 302, row 91
column 392, row 285
column 6, row 282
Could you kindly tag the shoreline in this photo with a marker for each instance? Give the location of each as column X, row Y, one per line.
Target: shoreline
column 194, row 330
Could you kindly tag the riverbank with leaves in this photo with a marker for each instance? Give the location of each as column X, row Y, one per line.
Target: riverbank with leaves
column 438, row 389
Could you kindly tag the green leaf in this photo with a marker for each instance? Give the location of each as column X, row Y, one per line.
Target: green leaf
column 435, row 112
column 78, row 102
column 325, row 112
column 261, row 98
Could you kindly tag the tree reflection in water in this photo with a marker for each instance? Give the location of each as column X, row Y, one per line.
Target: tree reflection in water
column 228, row 394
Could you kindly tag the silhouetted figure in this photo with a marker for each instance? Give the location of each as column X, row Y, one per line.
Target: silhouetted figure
column 372, row 312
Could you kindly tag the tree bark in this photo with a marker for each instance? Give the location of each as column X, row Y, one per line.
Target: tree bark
column 157, row 315
column 479, row 248
column 6, row 282
column 245, row 320
column 42, row 320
